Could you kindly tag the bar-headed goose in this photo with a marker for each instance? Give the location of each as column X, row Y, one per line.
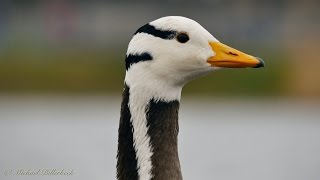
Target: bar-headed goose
column 162, row 57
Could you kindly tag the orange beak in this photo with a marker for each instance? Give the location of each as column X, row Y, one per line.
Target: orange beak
column 229, row 57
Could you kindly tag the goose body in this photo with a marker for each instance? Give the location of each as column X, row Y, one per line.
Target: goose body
column 162, row 57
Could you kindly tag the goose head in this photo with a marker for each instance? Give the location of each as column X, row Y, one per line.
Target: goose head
column 171, row 51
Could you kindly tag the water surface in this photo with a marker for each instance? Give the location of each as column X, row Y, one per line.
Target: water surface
column 225, row 140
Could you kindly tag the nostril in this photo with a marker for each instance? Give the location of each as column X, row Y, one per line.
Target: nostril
column 233, row 54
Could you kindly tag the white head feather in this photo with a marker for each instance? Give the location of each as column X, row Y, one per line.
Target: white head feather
column 174, row 63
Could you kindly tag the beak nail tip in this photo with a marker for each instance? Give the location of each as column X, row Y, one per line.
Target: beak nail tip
column 261, row 63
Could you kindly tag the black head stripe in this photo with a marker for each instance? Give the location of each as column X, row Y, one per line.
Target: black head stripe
column 149, row 29
column 134, row 58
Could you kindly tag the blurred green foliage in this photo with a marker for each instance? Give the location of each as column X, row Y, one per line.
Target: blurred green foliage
column 54, row 70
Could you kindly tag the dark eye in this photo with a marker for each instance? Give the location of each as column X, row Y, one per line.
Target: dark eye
column 182, row 37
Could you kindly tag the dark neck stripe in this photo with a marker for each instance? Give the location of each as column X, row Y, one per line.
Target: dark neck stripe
column 163, row 128
column 149, row 29
column 135, row 58
column 126, row 158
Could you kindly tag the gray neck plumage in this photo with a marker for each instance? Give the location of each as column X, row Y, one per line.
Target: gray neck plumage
column 147, row 144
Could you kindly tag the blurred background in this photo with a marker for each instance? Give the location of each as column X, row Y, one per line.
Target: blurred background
column 62, row 72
